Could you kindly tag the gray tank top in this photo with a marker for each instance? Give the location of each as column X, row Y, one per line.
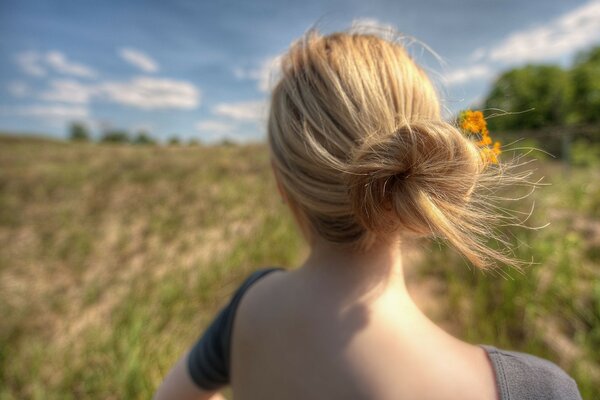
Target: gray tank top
column 519, row 376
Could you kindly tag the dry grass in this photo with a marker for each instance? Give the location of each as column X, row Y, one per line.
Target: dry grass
column 114, row 258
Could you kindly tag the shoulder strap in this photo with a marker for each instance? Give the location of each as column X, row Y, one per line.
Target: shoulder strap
column 208, row 360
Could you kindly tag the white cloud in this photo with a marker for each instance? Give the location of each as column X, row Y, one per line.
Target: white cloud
column 213, row 131
column 214, row 127
column 138, row 59
column 562, row 36
column 242, row 111
column 30, row 63
column 141, row 92
column 151, row 93
column 58, row 61
column 461, row 75
column 68, row 91
column 36, row 64
column 51, row 112
column 265, row 74
column 18, row 89
column 142, row 127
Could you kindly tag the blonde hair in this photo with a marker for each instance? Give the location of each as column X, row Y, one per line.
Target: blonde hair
column 360, row 148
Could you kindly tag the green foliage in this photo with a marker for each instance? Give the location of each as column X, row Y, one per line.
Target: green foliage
column 586, row 86
column 559, row 97
column 79, row 132
column 115, row 136
column 584, row 153
column 143, row 138
column 174, row 141
column 545, row 88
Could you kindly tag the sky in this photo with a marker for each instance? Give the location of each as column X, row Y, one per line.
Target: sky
column 203, row 69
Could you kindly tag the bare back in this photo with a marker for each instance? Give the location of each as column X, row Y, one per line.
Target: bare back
column 298, row 336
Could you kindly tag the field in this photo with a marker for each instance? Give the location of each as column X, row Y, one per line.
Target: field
column 114, row 258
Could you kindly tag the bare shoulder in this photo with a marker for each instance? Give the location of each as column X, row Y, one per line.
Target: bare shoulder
column 259, row 303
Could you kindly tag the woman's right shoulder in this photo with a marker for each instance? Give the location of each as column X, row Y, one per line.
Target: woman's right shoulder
column 524, row 376
column 259, row 292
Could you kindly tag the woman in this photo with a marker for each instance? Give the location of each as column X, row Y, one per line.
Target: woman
column 363, row 158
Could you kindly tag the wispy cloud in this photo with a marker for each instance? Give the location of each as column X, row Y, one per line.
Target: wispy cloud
column 58, row 61
column 214, row 127
column 30, row 63
column 68, row 91
column 265, row 73
column 52, row 112
column 141, row 92
column 570, row 32
column 37, row 64
column 462, row 75
column 558, row 38
column 214, row 130
column 152, row 93
column 242, row 111
column 139, row 59
column 18, row 89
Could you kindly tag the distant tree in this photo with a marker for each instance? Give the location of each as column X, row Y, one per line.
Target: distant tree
column 545, row 88
column 143, row 138
column 174, row 141
column 226, row 142
column 115, row 136
column 585, row 76
column 194, row 142
column 78, row 132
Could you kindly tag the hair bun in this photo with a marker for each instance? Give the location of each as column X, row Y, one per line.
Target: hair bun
column 416, row 178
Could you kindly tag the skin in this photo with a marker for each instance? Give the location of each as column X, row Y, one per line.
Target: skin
column 342, row 326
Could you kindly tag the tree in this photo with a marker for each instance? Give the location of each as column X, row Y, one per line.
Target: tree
column 174, row 140
column 143, row 138
column 585, row 76
column 78, row 132
column 545, row 88
column 115, row 136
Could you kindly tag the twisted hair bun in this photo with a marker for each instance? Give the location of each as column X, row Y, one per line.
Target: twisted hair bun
column 360, row 149
column 418, row 179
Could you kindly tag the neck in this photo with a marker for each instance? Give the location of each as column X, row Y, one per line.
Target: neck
column 360, row 274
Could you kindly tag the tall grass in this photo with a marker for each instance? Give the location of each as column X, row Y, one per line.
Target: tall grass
column 114, row 258
column 552, row 307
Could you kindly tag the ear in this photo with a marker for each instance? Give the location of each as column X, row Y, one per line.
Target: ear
column 279, row 185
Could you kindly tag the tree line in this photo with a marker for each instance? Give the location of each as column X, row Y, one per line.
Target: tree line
column 546, row 95
column 79, row 132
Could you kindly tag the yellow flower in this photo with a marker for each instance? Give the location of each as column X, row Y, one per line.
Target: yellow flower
column 485, row 140
column 473, row 122
column 488, row 155
column 496, row 148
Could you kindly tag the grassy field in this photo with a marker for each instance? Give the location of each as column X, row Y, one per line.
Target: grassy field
column 114, row 258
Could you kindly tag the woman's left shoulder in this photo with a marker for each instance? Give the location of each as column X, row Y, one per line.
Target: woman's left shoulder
column 523, row 374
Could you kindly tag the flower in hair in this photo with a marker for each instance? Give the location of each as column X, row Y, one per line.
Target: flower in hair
column 473, row 123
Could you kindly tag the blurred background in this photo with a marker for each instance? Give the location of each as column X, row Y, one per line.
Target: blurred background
column 136, row 194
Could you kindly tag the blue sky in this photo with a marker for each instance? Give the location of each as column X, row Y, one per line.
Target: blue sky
column 201, row 68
